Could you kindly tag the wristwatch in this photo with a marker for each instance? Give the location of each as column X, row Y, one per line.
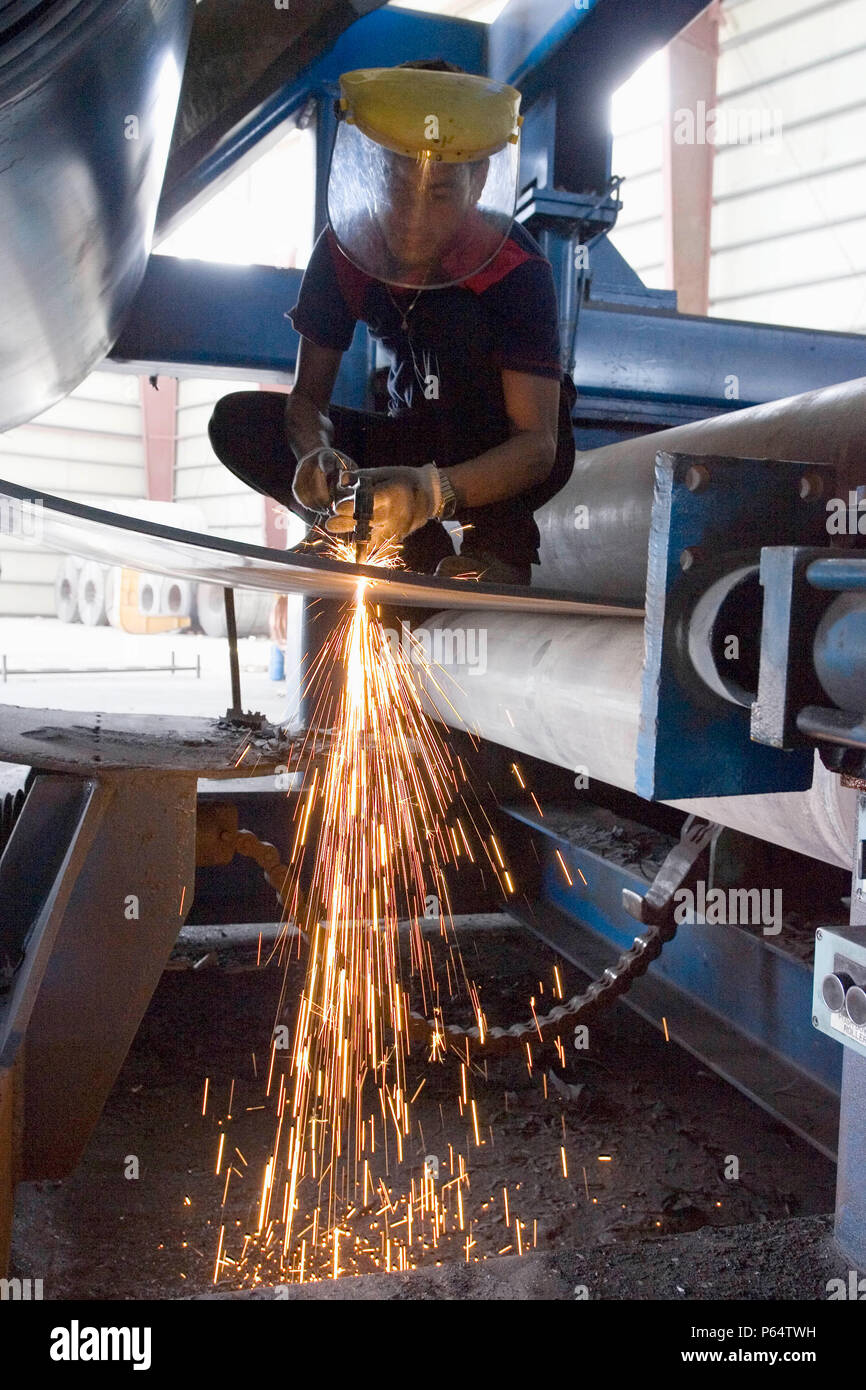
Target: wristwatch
column 448, row 505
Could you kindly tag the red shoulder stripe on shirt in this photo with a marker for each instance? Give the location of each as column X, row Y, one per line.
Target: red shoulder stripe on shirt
column 507, row 259
column 352, row 281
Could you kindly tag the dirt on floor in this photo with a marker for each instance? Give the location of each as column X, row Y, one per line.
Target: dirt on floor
column 612, row 1159
column 779, row 1260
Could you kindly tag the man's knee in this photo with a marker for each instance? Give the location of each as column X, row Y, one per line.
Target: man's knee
column 248, row 435
column 229, row 421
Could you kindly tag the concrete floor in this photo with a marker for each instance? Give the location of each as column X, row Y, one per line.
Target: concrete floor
column 792, row 1260
column 32, row 644
column 659, row 1221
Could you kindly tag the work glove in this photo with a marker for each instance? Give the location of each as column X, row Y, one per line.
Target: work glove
column 404, row 499
column 317, row 477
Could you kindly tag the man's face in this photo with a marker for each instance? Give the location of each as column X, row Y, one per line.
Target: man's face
column 428, row 204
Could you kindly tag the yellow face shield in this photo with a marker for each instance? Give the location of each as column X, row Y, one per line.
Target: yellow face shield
column 423, row 178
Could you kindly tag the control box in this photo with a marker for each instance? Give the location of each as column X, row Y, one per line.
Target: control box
column 839, row 993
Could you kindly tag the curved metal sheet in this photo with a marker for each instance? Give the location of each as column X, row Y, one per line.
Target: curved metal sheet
column 74, row 529
column 88, row 96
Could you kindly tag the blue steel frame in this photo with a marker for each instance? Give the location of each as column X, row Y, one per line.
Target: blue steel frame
column 732, row 998
column 850, row 1226
column 637, row 365
column 686, row 748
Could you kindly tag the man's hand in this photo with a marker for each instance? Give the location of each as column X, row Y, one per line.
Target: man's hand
column 317, row 478
column 404, row 499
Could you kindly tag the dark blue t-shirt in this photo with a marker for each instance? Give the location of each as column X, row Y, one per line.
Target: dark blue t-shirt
column 448, row 360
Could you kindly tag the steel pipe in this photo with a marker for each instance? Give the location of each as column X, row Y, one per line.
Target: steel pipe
column 839, row 649
column 567, row 691
column 602, row 550
column 564, row 691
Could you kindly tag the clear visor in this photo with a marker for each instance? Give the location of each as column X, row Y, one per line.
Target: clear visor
column 415, row 221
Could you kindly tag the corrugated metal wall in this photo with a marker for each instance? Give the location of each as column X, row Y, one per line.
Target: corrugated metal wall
column 87, row 447
column 789, row 216
column 789, row 208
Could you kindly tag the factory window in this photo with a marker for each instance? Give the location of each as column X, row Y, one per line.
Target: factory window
column 637, row 123
column 263, row 217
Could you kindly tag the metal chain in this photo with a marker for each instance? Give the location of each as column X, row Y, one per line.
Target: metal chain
column 600, row 994
column 614, row 981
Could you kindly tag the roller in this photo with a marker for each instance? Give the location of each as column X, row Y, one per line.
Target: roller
column 178, row 595
column 607, row 556
column 150, row 601
column 567, row 691
column 160, row 596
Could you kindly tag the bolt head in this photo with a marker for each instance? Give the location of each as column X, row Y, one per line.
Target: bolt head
column 687, row 559
column 697, row 477
column 811, row 486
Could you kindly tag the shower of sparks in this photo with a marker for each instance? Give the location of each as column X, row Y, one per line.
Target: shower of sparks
column 373, row 833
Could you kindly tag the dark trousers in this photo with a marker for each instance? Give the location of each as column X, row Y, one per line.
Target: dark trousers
column 248, row 434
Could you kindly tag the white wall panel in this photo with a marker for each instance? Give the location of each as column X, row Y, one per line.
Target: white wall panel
column 80, row 413
column 789, row 217
column 71, row 479
column 87, row 447
column 746, row 16
column 192, row 420
column 804, row 40
column 642, row 198
column 638, row 151
column 805, row 204
column 816, row 148
column 207, row 481
column 789, row 261
column 39, row 441
column 810, row 306
column 643, row 245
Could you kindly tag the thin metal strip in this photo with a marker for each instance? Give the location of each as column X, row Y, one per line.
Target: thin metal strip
column 75, row 529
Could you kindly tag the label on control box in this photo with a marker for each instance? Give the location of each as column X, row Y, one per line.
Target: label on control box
column 842, row 1024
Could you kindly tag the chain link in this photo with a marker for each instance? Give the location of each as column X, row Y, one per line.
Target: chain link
column 600, row 994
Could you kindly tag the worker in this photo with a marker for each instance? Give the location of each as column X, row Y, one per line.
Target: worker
column 421, row 246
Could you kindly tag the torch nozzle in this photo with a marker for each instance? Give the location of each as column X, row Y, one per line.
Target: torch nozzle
column 363, row 516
